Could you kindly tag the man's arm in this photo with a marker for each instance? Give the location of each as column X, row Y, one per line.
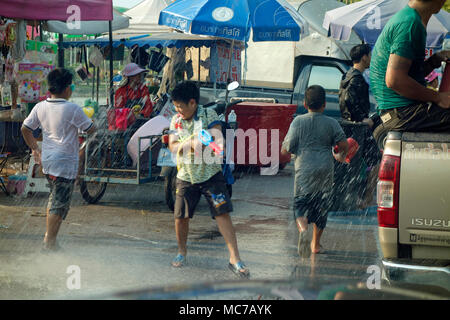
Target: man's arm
column 398, row 79
column 31, row 143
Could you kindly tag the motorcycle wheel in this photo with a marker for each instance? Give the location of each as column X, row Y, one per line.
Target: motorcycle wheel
column 92, row 192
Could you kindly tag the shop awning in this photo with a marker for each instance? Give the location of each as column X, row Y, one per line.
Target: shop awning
column 120, row 21
column 62, row 10
column 163, row 40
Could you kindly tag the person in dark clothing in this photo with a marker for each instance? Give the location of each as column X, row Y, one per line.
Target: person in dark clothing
column 355, row 106
column 354, row 90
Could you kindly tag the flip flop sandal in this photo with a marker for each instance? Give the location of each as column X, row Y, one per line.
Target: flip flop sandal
column 178, row 261
column 304, row 245
column 239, row 269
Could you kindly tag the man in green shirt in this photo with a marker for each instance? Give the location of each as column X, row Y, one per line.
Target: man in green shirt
column 199, row 172
column 398, row 70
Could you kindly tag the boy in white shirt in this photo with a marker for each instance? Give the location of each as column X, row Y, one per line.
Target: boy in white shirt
column 60, row 122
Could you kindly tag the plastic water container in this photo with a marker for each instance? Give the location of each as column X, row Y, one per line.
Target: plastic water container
column 445, row 84
column 232, row 119
column 16, row 184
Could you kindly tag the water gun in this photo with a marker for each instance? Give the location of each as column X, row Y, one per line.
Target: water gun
column 206, row 138
column 353, row 148
column 445, row 84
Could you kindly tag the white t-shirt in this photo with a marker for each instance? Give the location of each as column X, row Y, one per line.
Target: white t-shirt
column 60, row 122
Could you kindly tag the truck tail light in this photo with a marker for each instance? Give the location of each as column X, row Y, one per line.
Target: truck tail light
column 387, row 191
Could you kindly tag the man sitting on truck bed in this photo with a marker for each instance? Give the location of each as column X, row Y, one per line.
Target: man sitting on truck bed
column 398, row 70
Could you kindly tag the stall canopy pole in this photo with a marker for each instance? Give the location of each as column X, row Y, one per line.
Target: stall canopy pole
column 199, row 53
column 60, row 51
column 98, row 82
column 111, row 66
column 41, row 37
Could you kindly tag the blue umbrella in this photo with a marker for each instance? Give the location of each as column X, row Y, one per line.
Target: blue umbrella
column 368, row 17
column 270, row 20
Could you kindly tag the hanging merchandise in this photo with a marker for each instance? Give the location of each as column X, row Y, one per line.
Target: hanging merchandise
column 2, row 70
column 6, row 95
column 41, row 52
column 18, row 47
column 118, row 53
column 189, row 68
column 140, row 56
column 157, row 60
column 95, row 57
column 29, row 91
column 32, row 79
column 8, row 33
column 83, row 71
column 9, row 69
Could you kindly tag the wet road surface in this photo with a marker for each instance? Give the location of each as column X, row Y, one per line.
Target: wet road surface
column 127, row 241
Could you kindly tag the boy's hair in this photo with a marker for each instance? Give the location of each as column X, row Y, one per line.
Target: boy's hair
column 58, row 80
column 185, row 91
column 315, row 97
column 359, row 51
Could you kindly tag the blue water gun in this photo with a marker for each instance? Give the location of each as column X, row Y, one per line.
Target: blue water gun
column 206, row 138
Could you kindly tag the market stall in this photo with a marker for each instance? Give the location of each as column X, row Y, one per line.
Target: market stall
column 26, row 61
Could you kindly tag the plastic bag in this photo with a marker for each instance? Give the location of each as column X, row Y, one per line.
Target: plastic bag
column 124, row 118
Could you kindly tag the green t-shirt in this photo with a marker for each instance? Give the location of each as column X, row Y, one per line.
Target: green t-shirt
column 190, row 169
column 403, row 35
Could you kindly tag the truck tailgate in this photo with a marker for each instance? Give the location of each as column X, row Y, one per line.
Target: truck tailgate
column 424, row 199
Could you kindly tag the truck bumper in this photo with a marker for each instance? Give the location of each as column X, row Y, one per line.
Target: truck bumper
column 416, row 266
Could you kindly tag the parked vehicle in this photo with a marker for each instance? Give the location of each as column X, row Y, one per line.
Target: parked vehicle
column 414, row 201
column 414, row 204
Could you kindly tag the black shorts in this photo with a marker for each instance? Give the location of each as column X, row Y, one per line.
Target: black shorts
column 215, row 191
column 61, row 191
column 314, row 207
column 420, row 117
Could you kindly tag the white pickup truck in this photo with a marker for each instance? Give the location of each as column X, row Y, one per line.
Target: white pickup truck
column 413, row 198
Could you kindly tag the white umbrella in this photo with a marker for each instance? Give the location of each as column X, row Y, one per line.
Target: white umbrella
column 368, row 17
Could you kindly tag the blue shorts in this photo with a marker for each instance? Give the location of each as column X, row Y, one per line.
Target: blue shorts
column 314, row 207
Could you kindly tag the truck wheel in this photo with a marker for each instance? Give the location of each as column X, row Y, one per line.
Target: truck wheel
column 92, row 192
column 380, row 135
column 170, row 188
